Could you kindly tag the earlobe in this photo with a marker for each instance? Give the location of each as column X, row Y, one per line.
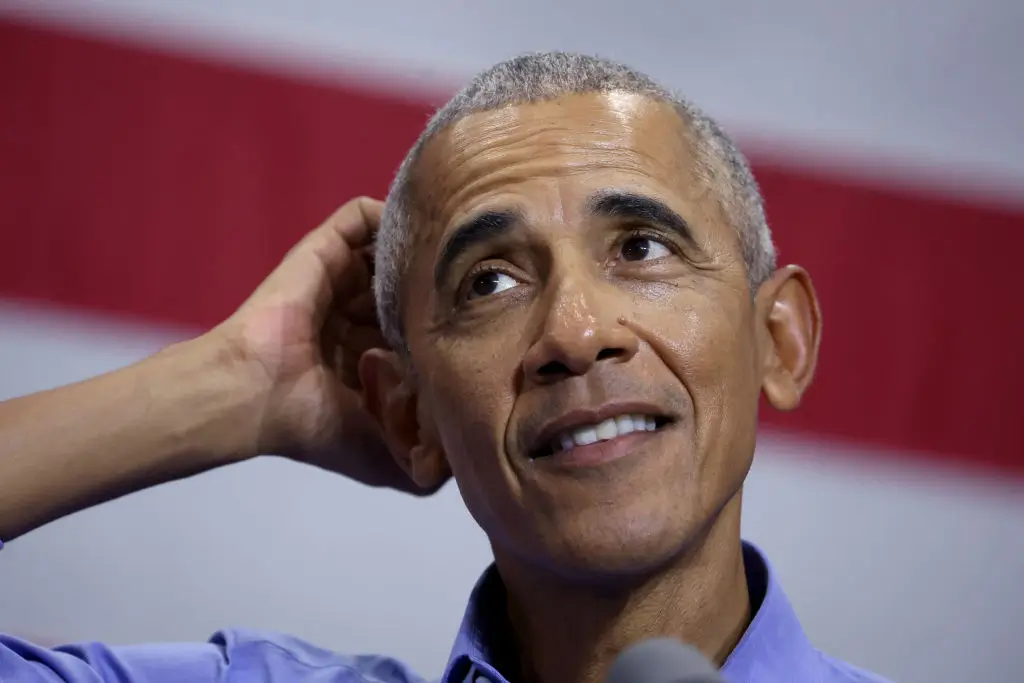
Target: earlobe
column 391, row 398
column 791, row 334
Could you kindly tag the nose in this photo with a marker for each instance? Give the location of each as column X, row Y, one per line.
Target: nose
column 582, row 327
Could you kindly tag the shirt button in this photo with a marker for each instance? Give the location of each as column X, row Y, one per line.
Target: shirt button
column 480, row 678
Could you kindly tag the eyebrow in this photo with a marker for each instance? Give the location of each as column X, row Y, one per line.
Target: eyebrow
column 479, row 228
column 640, row 208
column 619, row 204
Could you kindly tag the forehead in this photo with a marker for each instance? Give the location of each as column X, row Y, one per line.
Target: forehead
column 569, row 146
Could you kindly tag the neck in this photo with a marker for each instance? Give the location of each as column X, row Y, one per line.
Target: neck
column 569, row 633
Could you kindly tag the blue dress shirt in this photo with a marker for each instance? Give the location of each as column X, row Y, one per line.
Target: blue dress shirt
column 773, row 649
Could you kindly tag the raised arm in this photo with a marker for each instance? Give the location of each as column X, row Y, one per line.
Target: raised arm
column 273, row 378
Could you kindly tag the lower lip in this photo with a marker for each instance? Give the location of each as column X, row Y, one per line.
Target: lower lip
column 598, row 453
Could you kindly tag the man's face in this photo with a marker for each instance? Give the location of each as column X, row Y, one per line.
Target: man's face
column 584, row 335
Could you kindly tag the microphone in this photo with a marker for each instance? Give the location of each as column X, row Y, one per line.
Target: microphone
column 662, row 660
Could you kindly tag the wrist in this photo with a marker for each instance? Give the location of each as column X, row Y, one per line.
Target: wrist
column 216, row 399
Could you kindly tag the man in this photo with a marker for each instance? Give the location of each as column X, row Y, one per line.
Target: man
column 579, row 310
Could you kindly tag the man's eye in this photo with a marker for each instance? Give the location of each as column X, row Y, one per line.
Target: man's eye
column 490, row 282
column 641, row 248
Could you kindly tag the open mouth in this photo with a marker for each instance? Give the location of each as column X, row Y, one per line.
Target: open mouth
column 605, row 430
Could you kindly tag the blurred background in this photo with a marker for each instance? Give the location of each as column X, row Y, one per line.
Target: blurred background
column 157, row 158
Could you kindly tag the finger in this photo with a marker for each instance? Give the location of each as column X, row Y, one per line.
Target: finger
column 367, row 253
column 338, row 239
column 337, row 244
column 361, row 309
column 352, row 227
column 324, row 259
column 348, row 229
column 352, row 337
column 356, row 340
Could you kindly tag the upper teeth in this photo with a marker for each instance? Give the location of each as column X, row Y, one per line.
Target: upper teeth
column 604, row 431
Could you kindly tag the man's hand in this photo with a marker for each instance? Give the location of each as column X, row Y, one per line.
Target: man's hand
column 299, row 338
column 277, row 377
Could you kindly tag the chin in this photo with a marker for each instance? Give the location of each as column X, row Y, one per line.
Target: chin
column 633, row 548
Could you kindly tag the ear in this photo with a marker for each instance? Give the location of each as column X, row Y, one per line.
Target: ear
column 390, row 395
column 790, row 333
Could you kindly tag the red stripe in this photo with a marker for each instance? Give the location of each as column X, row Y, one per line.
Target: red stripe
column 155, row 186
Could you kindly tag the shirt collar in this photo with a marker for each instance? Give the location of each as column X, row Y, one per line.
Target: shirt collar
column 774, row 646
column 484, row 628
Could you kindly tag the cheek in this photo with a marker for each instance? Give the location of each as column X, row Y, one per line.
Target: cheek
column 471, row 398
column 708, row 344
column 718, row 351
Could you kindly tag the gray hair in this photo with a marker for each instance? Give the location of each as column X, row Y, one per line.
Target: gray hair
column 547, row 76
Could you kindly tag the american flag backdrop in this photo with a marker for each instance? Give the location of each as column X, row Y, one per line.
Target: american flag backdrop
column 158, row 157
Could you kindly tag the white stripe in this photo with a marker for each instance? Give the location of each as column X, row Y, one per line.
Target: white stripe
column 922, row 85
column 913, row 571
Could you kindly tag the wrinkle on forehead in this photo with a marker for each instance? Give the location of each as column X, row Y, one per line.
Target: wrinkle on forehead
column 574, row 134
column 632, row 140
column 505, row 173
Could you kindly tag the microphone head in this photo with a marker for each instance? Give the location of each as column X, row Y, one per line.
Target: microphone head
column 662, row 660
